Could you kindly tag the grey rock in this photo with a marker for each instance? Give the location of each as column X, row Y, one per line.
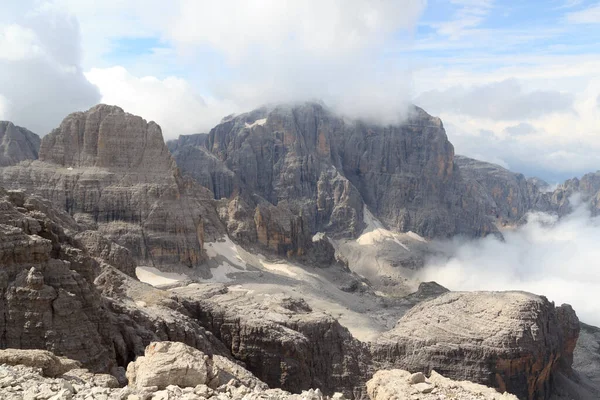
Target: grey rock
column 512, row 351
column 55, row 296
column 49, row 364
column 586, row 358
column 393, row 384
column 317, row 170
column 17, row 144
column 113, row 170
column 508, row 196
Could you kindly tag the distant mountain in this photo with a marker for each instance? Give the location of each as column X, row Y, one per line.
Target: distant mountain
column 17, row 144
column 306, row 161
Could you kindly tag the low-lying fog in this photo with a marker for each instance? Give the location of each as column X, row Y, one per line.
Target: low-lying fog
column 558, row 258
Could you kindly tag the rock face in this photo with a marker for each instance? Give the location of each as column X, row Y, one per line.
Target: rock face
column 57, row 295
column 508, row 195
column 522, row 344
column 402, row 385
column 17, row 144
column 112, row 171
column 281, row 341
column 588, row 187
column 46, row 285
column 299, row 169
column 586, row 358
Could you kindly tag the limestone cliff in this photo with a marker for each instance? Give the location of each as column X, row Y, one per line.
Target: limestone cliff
column 513, row 341
column 17, row 144
column 508, row 196
column 305, row 161
column 112, row 171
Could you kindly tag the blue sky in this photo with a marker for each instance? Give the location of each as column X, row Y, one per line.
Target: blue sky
column 515, row 82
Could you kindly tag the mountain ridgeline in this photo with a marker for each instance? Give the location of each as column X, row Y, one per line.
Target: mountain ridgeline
column 103, row 194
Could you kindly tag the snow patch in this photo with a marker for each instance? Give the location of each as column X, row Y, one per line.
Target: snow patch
column 70, row 168
column 375, row 232
column 226, row 248
column 258, row 122
column 318, row 236
column 156, row 277
column 233, row 260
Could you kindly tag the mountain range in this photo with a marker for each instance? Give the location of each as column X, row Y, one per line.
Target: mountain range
column 286, row 239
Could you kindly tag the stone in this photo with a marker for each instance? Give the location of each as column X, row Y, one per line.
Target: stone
column 172, row 363
column 304, row 169
column 524, row 342
column 417, row 377
column 17, row 144
column 50, row 364
column 423, row 387
column 114, row 172
column 395, row 384
column 167, row 363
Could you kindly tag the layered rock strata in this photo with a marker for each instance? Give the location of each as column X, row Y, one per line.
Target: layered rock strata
column 512, row 341
column 295, row 170
column 112, row 171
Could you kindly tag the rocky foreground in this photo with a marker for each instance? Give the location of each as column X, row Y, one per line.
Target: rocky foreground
column 174, row 371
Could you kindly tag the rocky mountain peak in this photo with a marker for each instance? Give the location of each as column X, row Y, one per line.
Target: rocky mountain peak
column 325, row 167
column 108, row 137
column 17, row 144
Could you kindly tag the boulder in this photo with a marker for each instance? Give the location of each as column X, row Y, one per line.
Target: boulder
column 50, row 364
column 173, row 363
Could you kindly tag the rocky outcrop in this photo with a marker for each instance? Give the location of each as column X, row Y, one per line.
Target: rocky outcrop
column 400, row 384
column 170, row 363
column 56, row 295
column 17, row 144
column 306, row 162
column 46, row 286
column 50, row 364
column 512, row 341
column 508, row 196
column 281, row 340
column 588, row 188
column 586, row 358
column 112, row 171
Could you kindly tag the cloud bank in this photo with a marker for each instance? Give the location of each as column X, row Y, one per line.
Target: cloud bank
column 555, row 258
column 41, row 79
column 504, row 100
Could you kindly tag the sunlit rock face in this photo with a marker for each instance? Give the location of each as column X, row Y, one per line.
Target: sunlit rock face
column 113, row 172
column 294, row 170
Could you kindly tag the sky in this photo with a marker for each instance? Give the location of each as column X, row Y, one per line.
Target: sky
column 515, row 83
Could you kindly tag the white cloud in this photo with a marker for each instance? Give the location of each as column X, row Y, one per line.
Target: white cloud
column 40, row 75
column 18, row 43
column 590, row 15
column 504, row 100
column 243, row 28
column 171, row 102
column 557, row 145
column 263, row 51
column 471, row 13
column 557, row 259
